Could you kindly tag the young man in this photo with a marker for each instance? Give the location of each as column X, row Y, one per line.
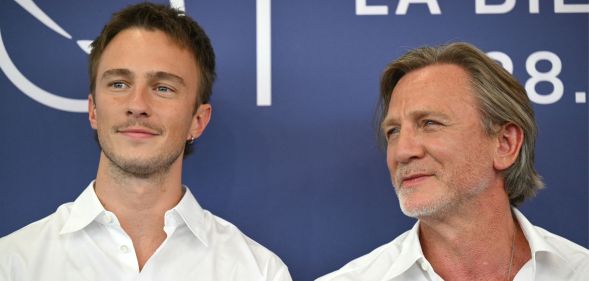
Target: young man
column 460, row 136
column 151, row 72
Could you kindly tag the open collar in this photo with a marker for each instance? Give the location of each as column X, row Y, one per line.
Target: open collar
column 87, row 208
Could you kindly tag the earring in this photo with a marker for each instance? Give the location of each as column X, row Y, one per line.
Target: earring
column 191, row 141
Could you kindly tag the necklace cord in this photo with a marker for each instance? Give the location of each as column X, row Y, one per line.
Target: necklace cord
column 512, row 252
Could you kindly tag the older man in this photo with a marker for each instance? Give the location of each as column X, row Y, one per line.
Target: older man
column 460, row 136
column 151, row 71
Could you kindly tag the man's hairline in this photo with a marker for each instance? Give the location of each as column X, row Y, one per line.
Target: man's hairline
column 178, row 43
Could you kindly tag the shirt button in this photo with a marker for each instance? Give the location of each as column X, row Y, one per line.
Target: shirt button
column 424, row 266
column 124, row 249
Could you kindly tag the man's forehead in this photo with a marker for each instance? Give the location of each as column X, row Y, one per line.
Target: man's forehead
column 433, row 82
column 446, row 73
column 137, row 48
column 432, row 90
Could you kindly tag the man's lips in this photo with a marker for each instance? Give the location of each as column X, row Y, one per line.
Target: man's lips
column 415, row 179
column 138, row 132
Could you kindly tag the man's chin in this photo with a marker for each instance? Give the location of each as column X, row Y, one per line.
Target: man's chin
column 431, row 209
column 418, row 210
column 141, row 167
column 140, row 171
column 413, row 212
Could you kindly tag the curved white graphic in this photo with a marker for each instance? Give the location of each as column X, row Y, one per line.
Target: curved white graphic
column 85, row 45
column 34, row 10
column 178, row 4
column 29, row 88
column 33, row 91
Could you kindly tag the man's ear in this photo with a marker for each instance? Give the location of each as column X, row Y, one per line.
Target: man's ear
column 92, row 111
column 200, row 120
column 509, row 142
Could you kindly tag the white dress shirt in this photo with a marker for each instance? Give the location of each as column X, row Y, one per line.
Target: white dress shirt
column 83, row 241
column 553, row 259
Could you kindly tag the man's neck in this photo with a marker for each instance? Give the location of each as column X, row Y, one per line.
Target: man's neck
column 140, row 203
column 476, row 241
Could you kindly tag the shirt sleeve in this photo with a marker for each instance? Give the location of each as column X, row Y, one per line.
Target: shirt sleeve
column 282, row 274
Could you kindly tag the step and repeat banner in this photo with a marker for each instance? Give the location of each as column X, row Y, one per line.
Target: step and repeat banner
column 290, row 155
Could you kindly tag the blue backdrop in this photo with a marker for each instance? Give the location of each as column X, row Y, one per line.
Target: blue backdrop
column 303, row 175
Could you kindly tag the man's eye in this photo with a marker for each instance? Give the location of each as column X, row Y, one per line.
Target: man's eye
column 431, row 124
column 391, row 132
column 163, row 89
column 118, row 85
column 427, row 123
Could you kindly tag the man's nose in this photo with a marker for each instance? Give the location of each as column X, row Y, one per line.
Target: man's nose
column 407, row 146
column 139, row 102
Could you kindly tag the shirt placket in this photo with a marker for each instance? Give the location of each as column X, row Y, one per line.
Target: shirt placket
column 122, row 244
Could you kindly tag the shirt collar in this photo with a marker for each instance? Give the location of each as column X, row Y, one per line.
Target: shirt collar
column 190, row 213
column 84, row 210
column 87, row 207
column 410, row 253
column 538, row 244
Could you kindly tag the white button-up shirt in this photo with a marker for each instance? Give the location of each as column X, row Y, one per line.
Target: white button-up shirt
column 83, row 241
column 553, row 259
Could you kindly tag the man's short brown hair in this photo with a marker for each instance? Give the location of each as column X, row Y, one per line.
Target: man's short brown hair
column 180, row 28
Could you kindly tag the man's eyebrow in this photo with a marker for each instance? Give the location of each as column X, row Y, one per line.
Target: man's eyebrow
column 415, row 115
column 162, row 75
column 387, row 122
column 117, row 72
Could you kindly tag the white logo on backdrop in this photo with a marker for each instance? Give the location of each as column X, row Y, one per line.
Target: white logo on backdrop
column 25, row 85
column 31, row 89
